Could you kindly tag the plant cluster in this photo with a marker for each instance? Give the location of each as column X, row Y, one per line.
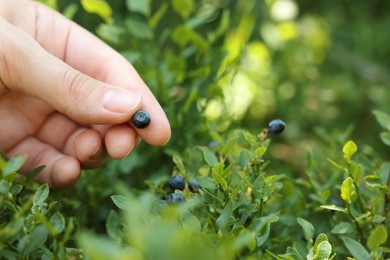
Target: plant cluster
column 227, row 185
column 240, row 208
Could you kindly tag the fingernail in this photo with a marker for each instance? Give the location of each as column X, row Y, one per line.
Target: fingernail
column 135, row 144
column 169, row 138
column 138, row 140
column 120, row 101
column 98, row 154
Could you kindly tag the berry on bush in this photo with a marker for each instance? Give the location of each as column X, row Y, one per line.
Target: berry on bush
column 141, row 119
column 174, row 198
column 276, row 126
column 194, row 186
column 248, row 219
column 176, row 183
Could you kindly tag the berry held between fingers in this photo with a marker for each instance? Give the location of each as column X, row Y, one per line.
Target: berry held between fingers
column 176, row 183
column 276, row 126
column 141, row 119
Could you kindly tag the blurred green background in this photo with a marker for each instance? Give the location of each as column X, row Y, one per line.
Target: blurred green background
column 217, row 65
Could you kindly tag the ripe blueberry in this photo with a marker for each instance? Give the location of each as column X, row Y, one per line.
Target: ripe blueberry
column 276, row 126
column 176, row 183
column 213, row 144
column 174, row 198
column 141, row 119
column 194, row 186
column 248, row 219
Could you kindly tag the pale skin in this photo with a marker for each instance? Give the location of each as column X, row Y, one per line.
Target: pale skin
column 66, row 98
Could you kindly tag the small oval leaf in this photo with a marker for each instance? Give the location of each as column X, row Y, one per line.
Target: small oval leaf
column 210, row 158
column 349, row 149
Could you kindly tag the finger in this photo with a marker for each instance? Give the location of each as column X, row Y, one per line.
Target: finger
column 26, row 67
column 56, row 130
column 60, row 171
column 20, row 116
column 79, row 142
column 86, row 145
column 121, row 147
column 98, row 60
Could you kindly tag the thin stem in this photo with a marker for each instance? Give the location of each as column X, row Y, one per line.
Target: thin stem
column 356, row 222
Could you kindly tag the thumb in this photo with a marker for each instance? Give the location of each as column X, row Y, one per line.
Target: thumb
column 27, row 68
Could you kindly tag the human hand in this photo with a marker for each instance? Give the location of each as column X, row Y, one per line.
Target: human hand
column 66, row 98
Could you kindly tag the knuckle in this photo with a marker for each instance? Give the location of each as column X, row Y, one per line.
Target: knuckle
column 76, row 85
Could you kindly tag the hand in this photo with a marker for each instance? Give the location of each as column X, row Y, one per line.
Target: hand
column 66, row 98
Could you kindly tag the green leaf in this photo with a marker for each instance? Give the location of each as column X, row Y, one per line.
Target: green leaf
column 243, row 159
column 263, row 227
column 210, row 158
column 51, row 3
column 155, row 19
column 103, row 248
column 4, row 187
column 260, row 151
column 349, row 149
column 231, row 143
column 33, row 241
column 338, row 166
column 121, row 202
column 58, row 222
column 373, row 181
column 219, row 179
column 12, row 228
column 258, row 188
column 41, row 194
column 356, row 249
column 348, row 191
column 226, row 213
column 111, row 33
column 190, row 222
column 324, row 250
column 207, row 182
column 377, row 219
column 113, row 225
column 377, row 237
column 99, row 7
column 183, row 7
column 308, row 228
column 200, row 19
column 356, row 171
column 70, row 11
column 179, row 163
column 342, row 228
column 382, row 118
column 139, row 6
column 384, row 172
column 14, row 164
column 16, row 189
column 245, row 239
column 333, row 207
column 139, row 28
column 385, row 137
column 320, row 238
column 32, row 174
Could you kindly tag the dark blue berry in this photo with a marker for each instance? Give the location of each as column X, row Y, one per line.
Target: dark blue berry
column 141, row 119
column 248, row 219
column 276, row 126
column 213, row 144
column 176, row 183
column 194, row 186
column 174, row 198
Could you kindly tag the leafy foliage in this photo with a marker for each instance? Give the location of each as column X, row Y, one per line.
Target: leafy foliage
column 222, row 70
